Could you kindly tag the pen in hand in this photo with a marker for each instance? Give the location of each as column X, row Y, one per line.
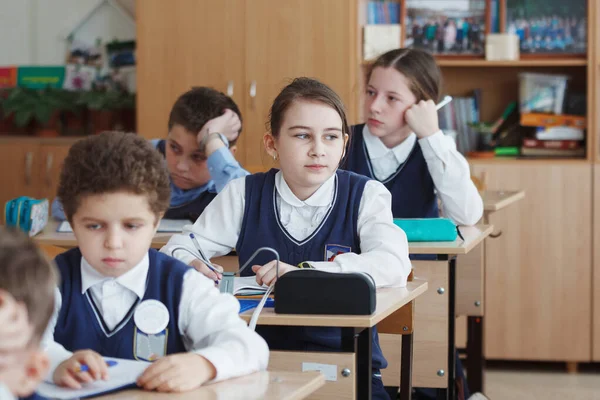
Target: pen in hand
column 203, row 257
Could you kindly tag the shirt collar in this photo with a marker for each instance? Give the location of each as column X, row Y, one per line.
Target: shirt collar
column 321, row 198
column 134, row 279
column 377, row 149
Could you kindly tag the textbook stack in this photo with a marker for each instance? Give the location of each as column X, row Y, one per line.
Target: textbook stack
column 458, row 116
column 555, row 135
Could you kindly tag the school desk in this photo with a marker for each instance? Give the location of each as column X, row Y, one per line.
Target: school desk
column 273, row 385
column 470, row 298
column 435, row 313
column 67, row 240
column 349, row 372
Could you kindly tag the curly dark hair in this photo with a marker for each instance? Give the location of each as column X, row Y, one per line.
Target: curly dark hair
column 29, row 277
column 112, row 162
column 197, row 106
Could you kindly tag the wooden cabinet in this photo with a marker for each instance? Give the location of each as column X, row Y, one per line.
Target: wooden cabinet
column 31, row 167
column 19, row 165
column 186, row 43
column 596, row 268
column 538, row 279
column 257, row 46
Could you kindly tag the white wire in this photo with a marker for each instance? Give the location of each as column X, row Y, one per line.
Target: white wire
column 259, row 308
column 261, row 304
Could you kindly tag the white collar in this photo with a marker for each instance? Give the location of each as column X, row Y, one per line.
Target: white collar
column 321, row 198
column 377, row 149
column 134, row 279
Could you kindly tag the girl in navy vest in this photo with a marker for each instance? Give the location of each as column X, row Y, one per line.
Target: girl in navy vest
column 313, row 214
column 119, row 299
column 204, row 126
column 402, row 146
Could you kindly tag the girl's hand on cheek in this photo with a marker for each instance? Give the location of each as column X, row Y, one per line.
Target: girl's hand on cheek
column 422, row 118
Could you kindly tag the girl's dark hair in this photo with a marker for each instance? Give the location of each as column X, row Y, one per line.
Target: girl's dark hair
column 306, row 89
column 417, row 66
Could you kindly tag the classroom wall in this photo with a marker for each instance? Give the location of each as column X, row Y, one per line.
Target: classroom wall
column 32, row 32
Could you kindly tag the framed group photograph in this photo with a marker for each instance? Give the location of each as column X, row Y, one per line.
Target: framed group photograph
column 548, row 26
column 453, row 28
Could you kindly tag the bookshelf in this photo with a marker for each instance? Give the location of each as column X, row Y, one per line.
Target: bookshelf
column 499, row 80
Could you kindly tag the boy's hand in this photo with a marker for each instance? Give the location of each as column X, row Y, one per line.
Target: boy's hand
column 204, row 270
column 177, row 373
column 422, row 118
column 67, row 373
column 266, row 274
column 15, row 330
column 228, row 124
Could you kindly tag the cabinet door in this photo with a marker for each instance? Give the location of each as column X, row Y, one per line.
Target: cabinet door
column 185, row 43
column 19, row 164
column 289, row 39
column 538, row 272
column 51, row 160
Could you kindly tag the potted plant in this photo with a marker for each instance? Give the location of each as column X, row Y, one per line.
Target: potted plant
column 40, row 107
column 102, row 106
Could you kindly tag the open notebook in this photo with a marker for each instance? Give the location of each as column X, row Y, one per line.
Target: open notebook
column 247, row 286
column 122, row 375
column 165, row 225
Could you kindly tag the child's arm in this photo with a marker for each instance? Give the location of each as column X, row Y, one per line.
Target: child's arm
column 384, row 248
column 222, row 165
column 451, row 176
column 217, row 229
column 448, row 168
column 63, row 363
column 220, row 344
column 224, row 168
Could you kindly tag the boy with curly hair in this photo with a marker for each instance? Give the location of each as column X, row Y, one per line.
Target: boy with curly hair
column 120, row 299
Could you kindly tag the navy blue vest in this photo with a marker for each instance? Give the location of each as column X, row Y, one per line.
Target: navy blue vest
column 80, row 326
column 338, row 232
column 192, row 209
column 412, row 188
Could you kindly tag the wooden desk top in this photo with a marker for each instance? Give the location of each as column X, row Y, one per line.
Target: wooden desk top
column 388, row 301
column 494, row 200
column 49, row 236
column 261, row 385
column 473, row 236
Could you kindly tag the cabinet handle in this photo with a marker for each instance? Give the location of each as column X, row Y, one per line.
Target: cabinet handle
column 49, row 162
column 230, row 88
column 28, row 164
column 253, row 89
column 496, row 235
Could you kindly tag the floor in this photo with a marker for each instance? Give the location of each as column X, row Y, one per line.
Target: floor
column 541, row 382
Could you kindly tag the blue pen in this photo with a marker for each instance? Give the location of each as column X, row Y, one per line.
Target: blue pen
column 203, row 257
column 85, row 368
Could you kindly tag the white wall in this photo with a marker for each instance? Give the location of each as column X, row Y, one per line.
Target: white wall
column 32, row 32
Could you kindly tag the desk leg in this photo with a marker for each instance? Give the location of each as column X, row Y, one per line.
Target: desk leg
column 406, row 367
column 364, row 359
column 451, row 394
column 475, row 360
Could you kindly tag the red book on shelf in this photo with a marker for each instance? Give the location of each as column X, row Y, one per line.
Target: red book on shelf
column 551, row 144
column 8, row 77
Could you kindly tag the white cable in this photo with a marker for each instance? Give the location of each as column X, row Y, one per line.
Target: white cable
column 259, row 308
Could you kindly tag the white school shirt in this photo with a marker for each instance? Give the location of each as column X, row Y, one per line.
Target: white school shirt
column 384, row 248
column 209, row 321
column 449, row 171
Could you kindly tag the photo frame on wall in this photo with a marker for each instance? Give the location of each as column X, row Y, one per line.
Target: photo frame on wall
column 454, row 28
column 548, row 27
